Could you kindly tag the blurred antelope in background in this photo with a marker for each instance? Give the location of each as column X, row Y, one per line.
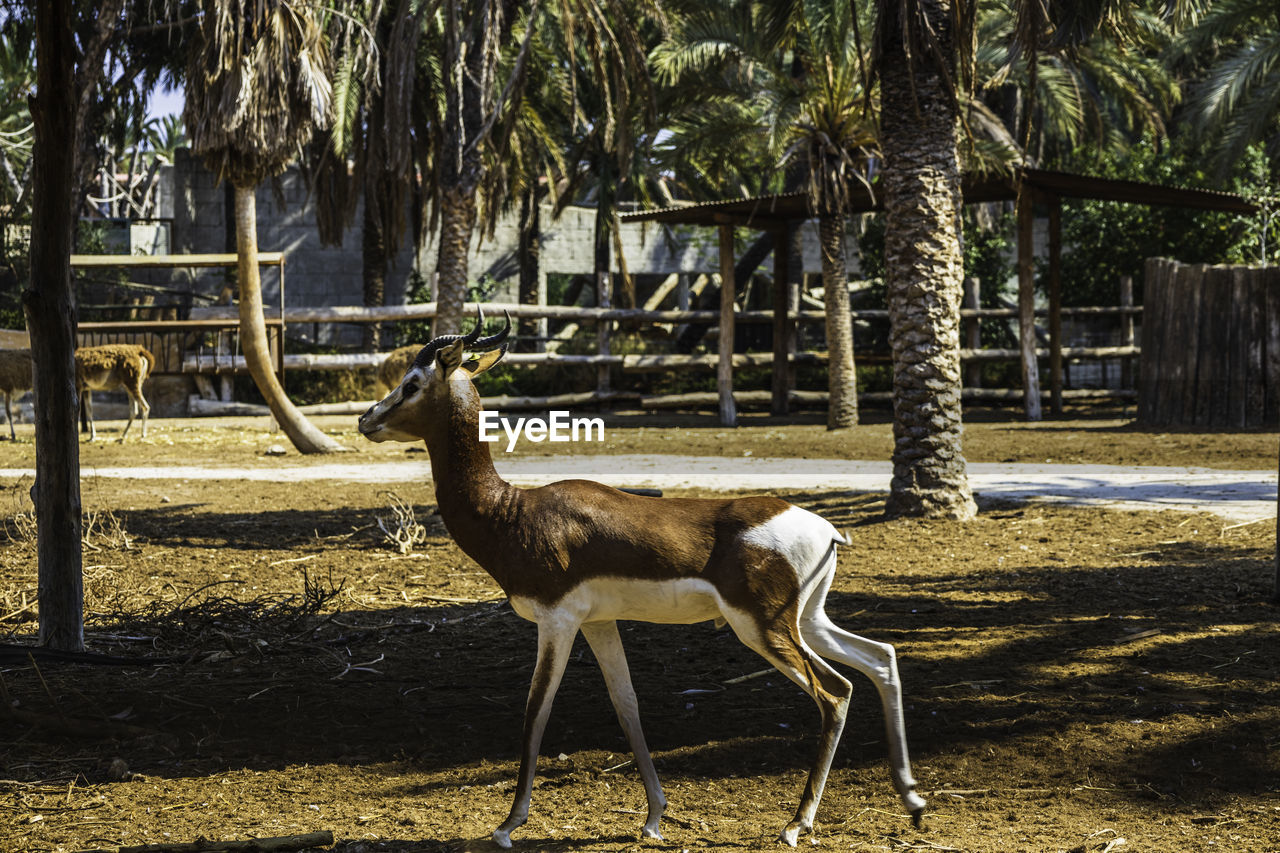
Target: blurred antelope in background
column 15, row 380
column 108, row 368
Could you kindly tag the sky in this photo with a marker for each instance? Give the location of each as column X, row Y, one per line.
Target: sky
column 165, row 102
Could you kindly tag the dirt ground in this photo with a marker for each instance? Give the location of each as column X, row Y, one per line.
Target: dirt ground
column 1088, row 435
column 1076, row 679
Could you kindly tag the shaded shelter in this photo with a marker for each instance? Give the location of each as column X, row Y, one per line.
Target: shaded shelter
column 1026, row 187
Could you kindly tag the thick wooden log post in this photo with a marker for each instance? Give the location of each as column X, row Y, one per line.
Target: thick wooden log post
column 1027, row 308
column 604, row 299
column 724, row 373
column 50, row 313
column 973, row 331
column 1055, row 304
column 783, row 326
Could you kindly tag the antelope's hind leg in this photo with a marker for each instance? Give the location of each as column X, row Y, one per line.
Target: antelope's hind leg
column 606, row 644
column 878, row 662
column 554, row 643
column 781, row 644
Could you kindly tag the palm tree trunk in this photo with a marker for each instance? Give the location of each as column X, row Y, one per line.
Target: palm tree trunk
column 842, row 377
column 457, row 221
column 924, row 270
column 50, row 314
column 530, row 253
column 253, row 334
column 373, row 263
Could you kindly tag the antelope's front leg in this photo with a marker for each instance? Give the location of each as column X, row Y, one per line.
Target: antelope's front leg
column 554, row 644
column 607, row 647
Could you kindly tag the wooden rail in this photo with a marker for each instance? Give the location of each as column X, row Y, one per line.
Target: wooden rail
column 219, row 319
column 172, row 355
column 427, row 310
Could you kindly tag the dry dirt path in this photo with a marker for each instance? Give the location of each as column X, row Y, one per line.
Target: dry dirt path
column 1234, row 495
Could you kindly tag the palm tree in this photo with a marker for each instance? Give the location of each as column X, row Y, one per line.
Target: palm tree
column 256, row 89
column 1237, row 100
column 795, row 71
column 919, row 115
column 534, row 168
column 924, row 58
column 369, row 155
column 1102, row 94
column 17, row 80
column 474, row 120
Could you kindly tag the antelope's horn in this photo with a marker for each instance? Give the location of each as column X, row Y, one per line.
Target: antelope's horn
column 471, row 336
column 493, row 341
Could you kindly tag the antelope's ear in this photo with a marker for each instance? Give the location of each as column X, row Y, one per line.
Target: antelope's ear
column 449, row 357
column 484, row 361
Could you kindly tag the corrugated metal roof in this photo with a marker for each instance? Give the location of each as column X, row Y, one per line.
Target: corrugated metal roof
column 772, row 211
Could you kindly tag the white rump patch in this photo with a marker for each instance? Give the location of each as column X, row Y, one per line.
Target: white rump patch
column 800, row 536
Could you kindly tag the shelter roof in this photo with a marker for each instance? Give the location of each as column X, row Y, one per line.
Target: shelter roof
column 771, row 211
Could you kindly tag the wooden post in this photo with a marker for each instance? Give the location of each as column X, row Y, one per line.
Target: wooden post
column 724, row 372
column 541, row 324
column 1055, row 304
column 1027, row 308
column 1126, row 330
column 603, row 300
column 783, row 326
column 973, row 330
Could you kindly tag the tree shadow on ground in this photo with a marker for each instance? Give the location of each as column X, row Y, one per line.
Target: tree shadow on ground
column 1046, row 666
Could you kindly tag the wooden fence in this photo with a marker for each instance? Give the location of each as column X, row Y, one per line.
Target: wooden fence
column 1210, row 346
column 204, row 346
column 605, row 359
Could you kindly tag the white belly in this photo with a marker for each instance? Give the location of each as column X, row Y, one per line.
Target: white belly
column 678, row 602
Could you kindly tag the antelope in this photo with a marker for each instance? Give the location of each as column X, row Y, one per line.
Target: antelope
column 106, row 368
column 576, row 556
column 15, row 380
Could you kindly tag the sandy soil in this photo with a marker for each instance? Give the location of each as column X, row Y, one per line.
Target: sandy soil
column 1097, row 436
column 1076, row 679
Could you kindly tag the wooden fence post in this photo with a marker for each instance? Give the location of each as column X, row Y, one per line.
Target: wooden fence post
column 1126, row 330
column 973, row 330
column 783, row 325
column 1055, row 304
column 724, row 371
column 541, row 324
column 604, row 299
column 1027, row 307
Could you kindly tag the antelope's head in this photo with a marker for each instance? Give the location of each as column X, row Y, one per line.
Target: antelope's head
column 429, row 391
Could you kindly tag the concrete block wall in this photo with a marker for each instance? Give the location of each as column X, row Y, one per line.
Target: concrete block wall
column 315, row 274
column 331, row 275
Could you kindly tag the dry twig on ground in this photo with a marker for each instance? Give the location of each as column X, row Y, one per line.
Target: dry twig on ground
column 401, row 528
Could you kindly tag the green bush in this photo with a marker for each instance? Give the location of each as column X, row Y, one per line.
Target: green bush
column 1104, row 240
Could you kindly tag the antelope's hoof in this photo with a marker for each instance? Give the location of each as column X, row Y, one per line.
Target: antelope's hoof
column 651, row 832
column 917, row 817
column 502, row 838
column 790, row 835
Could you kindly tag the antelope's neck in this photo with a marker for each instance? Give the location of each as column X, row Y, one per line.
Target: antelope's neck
column 478, row 507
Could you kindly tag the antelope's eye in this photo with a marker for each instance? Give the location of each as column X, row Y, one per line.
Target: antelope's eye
column 410, row 389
